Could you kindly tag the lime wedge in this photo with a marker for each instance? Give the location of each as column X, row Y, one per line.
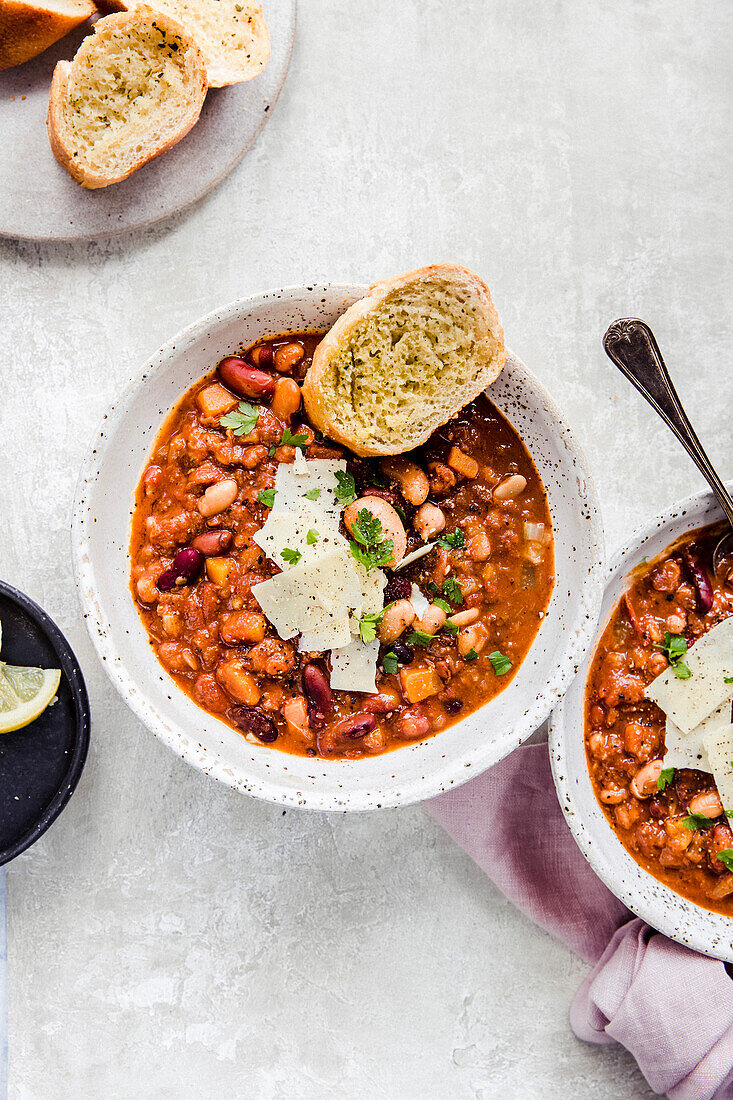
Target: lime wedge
column 24, row 694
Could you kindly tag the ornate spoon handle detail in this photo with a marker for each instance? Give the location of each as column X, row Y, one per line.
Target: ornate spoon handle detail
column 630, row 344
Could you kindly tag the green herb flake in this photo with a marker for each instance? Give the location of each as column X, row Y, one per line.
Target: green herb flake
column 312, row 537
column 500, row 663
column 442, row 605
column 453, row 541
column 345, row 490
column 452, row 590
column 726, row 858
column 390, row 664
column 242, row 420
column 271, row 451
column 451, row 628
column 419, row 637
column 665, row 778
column 472, row 655
column 267, row 497
column 292, row 557
column 728, row 679
column 312, row 494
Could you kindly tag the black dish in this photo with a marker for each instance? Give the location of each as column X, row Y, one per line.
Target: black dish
column 41, row 764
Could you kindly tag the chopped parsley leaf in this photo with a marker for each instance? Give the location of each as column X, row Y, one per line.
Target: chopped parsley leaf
column 345, row 490
column 443, row 605
column 271, row 451
column 451, row 628
column 242, row 420
column 500, row 663
column 419, row 637
column 665, row 778
column 292, row 557
column 728, row 679
column 312, row 494
column 312, row 537
column 366, row 529
column 368, row 626
column 697, row 821
column 267, row 497
column 472, row 655
column 726, row 858
column 674, row 647
column 390, row 664
column 452, row 590
column 290, row 440
column 452, row 541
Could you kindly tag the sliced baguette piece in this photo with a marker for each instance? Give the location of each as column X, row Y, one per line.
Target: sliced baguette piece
column 404, row 360
column 27, row 29
column 232, row 34
column 135, row 88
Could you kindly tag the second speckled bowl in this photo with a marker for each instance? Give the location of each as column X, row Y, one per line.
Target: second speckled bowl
column 101, row 531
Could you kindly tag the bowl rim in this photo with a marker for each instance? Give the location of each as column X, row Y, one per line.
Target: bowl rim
column 71, row 671
column 663, row 912
column 452, row 773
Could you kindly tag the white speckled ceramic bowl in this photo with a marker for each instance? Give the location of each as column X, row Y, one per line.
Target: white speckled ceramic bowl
column 675, row 916
column 100, row 535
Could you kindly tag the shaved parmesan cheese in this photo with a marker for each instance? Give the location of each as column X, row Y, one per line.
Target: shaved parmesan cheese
column 414, row 556
column 310, row 595
column 687, row 750
column 317, row 475
column 418, row 601
column 719, row 748
column 354, row 667
column 710, row 661
column 326, row 637
column 372, row 583
column 293, row 530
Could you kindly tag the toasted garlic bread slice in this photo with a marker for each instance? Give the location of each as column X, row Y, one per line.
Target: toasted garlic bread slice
column 27, row 28
column 404, row 360
column 232, row 35
column 135, row 88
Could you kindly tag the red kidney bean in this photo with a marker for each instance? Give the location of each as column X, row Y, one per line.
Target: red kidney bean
column 656, row 809
column 255, row 721
column 185, row 568
column 261, row 356
column 397, row 588
column 212, row 543
column 355, row 726
column 245, row 380
column 701, row 581
column 318, row 695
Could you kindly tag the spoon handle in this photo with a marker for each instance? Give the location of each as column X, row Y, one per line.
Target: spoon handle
column 630, row 344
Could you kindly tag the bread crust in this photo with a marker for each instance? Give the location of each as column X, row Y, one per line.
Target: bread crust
column 27, row 29
column 313, row 396
column 54, row 119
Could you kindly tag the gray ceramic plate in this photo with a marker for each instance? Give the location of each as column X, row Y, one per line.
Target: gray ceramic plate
column 41, row 202
column 681, row 920
column 101, row 531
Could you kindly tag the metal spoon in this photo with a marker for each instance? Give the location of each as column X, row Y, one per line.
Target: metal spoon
column 630, row 343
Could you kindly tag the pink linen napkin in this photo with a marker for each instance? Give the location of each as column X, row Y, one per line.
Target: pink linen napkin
column 672, row 1008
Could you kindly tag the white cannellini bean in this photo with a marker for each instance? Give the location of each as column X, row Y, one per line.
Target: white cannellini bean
column 465, row 618
column 396, row 620
column 510, row 488
column 433, row 620
column 428, row 521
column 218, row 497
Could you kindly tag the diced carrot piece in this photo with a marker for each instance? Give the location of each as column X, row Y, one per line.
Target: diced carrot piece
column 217, row 570
column 462, row 463
column 215, row 400
column 419, row 683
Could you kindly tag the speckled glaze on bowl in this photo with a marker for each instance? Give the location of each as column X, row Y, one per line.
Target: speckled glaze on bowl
column 100, row 537
column 675, row 916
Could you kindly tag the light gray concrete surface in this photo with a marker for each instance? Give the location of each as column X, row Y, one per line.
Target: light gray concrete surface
column 171, row 939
